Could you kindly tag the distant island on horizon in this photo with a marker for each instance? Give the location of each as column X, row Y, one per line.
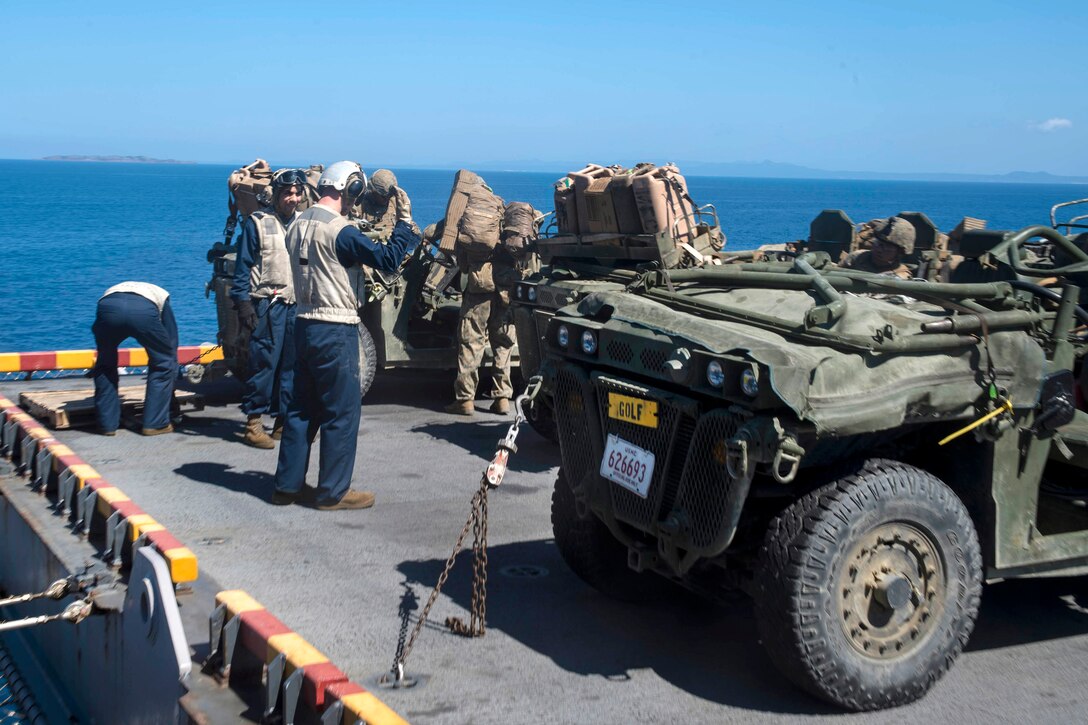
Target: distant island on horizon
column 115, row 159
column 690, row 167
column 779, row 170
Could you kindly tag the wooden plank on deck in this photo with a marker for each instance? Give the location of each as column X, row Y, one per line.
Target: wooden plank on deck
column 62, row 409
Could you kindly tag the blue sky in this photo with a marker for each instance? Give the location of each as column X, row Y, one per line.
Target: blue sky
column 973, row 87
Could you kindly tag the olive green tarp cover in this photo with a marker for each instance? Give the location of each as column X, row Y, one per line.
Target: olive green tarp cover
column 842, row 393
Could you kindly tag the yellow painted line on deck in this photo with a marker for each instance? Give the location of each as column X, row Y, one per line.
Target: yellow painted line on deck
column 84, row 473
column 298, row 651
column 106, row 496
column 364, row 706
column 139, row 523
column 182, row 563
column 237, row 602
column 10, row 362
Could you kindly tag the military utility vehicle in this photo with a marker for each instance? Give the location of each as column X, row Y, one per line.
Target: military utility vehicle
column 409, row 319
column 608, row 223
column 857, row 452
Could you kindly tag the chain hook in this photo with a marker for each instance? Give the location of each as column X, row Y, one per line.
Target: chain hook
column 532, row 389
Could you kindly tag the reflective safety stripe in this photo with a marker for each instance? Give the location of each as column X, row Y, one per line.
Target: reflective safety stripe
column 139, row 524
column 237, row 601
column 364, row 706
column 85, row 472
column 75, row 359
column 182, row 563
column 25, row 362
column 297, row 650
column 136, row 358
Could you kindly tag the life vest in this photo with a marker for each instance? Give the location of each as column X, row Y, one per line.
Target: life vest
column 145, row 289
column 271, row 275
column 324, row 288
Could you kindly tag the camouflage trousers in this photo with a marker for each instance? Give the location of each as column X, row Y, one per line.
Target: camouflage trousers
column 485, row 319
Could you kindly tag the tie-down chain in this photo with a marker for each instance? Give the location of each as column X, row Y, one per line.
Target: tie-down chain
column 477, row 521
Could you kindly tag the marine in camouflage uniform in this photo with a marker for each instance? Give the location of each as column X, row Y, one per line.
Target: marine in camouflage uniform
column 383, row 204
column 486, row 320
column 892, row 239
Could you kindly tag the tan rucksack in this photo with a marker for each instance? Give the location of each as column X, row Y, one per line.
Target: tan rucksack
column 473, row 216
column 519, row 225
column 250, row 188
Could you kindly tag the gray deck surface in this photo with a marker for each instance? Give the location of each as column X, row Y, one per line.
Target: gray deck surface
column 555, row 651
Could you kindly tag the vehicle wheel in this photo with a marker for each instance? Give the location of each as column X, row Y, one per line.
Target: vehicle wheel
column 868, row 587
column 368, row 359
column 590, row 550
column 541, row 417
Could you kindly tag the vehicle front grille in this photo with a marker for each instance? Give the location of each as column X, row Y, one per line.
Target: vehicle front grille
column 552, row 298
column 529, row 343
column 626, row 505
column 706, row 484
column 618, row 351
column 573, row 406
column 653, row 359
column 690, row 477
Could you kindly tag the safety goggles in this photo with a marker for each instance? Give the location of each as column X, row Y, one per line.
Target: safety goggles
column 289, row 177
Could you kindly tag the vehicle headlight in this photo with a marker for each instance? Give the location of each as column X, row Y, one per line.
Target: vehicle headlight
column 531, row 294
column 749, row 382
column 589, row 342
column 562, row 335
column 715, row 375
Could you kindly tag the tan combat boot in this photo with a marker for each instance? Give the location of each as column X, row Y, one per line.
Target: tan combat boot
column 255, row 435
column 277, row 428
column 352, row 500
column 461, row 407
column 500, row 406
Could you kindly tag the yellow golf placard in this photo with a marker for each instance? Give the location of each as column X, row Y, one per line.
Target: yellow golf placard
column 632, row 410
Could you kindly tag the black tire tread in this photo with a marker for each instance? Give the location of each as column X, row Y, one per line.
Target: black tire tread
column 368, row 360
column 591, row 552
column 800, row 547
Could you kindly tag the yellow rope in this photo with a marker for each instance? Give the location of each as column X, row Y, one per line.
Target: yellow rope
column 1006, row 406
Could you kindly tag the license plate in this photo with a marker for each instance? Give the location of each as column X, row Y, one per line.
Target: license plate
column 632, row 410
column 628, row 465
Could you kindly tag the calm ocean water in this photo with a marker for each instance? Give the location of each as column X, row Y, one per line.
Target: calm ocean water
column 75, row 228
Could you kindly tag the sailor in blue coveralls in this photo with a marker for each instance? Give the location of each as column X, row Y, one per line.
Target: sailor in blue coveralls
column 326, row 251
column 140, row 310
column 264, row 296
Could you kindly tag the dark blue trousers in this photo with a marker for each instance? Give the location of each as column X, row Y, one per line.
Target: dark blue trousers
column 271, row 359
column 120, row 316
column 326, row 399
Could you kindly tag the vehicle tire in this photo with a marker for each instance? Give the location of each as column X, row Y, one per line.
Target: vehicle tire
column 868, row 587
column 368, row 359
column 590, row 550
